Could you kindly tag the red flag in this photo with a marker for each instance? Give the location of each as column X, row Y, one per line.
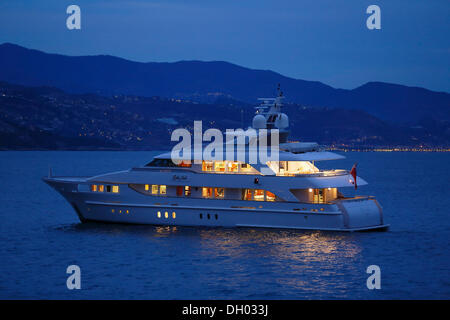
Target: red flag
column 353, row 173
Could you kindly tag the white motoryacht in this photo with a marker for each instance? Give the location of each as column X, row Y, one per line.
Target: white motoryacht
column 200, row 191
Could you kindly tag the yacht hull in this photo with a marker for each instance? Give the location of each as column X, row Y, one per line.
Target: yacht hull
column 130, row 207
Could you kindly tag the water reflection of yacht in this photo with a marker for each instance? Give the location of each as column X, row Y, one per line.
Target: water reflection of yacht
column 297, row 195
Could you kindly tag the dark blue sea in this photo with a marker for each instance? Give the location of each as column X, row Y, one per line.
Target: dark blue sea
column 40, row 235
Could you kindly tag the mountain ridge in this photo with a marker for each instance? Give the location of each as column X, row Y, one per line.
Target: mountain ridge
column 204, row 81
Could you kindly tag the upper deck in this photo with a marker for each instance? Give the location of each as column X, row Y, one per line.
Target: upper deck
column 296, row 166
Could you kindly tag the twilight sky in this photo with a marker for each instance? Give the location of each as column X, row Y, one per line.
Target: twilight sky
column 323, row 40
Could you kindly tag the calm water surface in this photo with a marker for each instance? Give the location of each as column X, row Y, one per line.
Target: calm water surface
column 40, row 236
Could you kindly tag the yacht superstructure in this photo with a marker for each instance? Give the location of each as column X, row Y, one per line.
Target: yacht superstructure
column 288, row 193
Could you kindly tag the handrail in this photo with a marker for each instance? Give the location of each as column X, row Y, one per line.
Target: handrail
column 325, row 173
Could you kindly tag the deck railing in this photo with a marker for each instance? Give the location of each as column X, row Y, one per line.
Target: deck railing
column 325, row 173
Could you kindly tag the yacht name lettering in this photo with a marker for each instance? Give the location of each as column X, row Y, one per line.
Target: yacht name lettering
column 177, row 177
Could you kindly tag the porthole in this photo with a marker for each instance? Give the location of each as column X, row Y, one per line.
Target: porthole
column 217, row 216
column 174, row 215
column 166, row 215
column 201, row 216
column 209, row 216
column 159, row 214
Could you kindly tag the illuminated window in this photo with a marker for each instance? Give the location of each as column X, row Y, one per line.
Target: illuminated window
column 207, row 192
column 159, row 214
column 270, row 196
column 115, row 189
column 259, row 195
column 187, row 191
column 219, row 192
column 207, row 166
column 101, row 188
column 112, row 210
column 155, row 189
column 127, row 212
column 179, row 191
column 174, row 215
column 219, row 166
column 93, row 187
column 247, row 194
column 233, row 166
column 166, row 215
column 162, row 189
column 147, row 187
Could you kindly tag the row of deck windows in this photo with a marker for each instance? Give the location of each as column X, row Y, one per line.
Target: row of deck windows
column 166, row 215
column 225, row 166
column 258, row 195
column 207, row 192
column 284, row 168
column 218, row 193
column 174, row 215
column 120, row 211
column 103, row 188
column 209, row 216
column 156, row 189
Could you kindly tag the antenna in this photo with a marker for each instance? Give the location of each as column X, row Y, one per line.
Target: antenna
column 280, row 93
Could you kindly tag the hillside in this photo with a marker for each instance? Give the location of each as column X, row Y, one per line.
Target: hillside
column 49, row 118
column 207, row 81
